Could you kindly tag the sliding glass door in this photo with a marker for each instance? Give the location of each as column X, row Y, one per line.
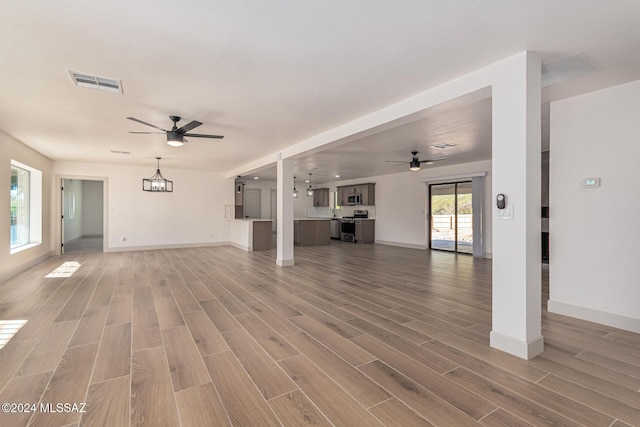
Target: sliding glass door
column 451, row 214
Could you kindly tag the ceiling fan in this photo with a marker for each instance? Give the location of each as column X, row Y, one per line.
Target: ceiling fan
column 176, row 136
column 415, row 162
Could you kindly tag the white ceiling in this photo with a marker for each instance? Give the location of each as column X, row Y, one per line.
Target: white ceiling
column 269, row 74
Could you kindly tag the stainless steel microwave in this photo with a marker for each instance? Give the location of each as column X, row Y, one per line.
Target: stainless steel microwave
column 354, row 199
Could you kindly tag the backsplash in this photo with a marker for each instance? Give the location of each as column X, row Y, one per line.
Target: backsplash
column 326, row 212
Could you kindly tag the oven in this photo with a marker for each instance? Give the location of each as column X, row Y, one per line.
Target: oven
column 348, row 229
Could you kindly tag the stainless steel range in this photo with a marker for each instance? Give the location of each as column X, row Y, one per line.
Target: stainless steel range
column 348, row 225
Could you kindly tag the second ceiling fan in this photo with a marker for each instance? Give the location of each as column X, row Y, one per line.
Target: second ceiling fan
column 176, row 135
column 415, row 162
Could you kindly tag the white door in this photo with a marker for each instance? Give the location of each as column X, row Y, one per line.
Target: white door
column 252, row 203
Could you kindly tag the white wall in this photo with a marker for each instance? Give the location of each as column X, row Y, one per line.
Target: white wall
column 11, row 264
column 401, row 203
column 594, row 232
column 92, row 210
column 192, row 215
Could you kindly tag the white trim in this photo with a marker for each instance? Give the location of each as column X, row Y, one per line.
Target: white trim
column 285, row 262
column 12, row 273
column 447, row 178
column 401, row 244
column 172, row 246
column 592, row 315
column 24, row 247
column 525, row 350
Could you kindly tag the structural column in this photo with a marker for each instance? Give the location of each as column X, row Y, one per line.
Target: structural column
column 285, row 211
column 516, row 326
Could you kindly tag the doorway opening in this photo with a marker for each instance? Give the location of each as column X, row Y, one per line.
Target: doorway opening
column 451, row 213
column 82, row 216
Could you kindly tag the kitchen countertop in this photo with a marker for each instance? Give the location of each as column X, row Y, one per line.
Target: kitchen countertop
column 312, row 219
column 248, row 219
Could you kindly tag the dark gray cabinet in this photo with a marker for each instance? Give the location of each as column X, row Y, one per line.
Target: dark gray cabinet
column 321, row 197
column 365, row 231
column 367, row 194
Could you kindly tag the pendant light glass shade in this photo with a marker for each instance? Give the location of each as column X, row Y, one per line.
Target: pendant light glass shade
column 296, row 193
column 309, row 190
column 157, row 183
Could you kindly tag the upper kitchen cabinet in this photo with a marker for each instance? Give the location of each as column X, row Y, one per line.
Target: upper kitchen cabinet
column 367, row 193
column 321, row 197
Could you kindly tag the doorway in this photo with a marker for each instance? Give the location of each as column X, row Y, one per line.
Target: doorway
column 274, row 210
column 451, row 213
column 82, row 228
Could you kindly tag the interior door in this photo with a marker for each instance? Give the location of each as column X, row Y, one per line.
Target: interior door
column 252, row 203
column 451, row 214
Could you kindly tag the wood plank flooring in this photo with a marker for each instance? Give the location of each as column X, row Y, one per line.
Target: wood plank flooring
column 351, row 335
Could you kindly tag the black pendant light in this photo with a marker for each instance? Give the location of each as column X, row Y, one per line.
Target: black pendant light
column 157, row 183
column 309, row 190
column 296, row 193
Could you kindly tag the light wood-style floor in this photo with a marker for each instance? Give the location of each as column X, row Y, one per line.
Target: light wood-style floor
column 353, row 335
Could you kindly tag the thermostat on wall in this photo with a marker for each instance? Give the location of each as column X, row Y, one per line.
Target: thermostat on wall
column 590, row 182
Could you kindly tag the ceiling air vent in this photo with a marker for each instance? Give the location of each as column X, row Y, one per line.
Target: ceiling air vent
column 444, row 146
column 95, row 82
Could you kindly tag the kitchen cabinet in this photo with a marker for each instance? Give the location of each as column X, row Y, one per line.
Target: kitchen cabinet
column 309, row 232
column 365, row 230
column 366, row 191
column 321, row 197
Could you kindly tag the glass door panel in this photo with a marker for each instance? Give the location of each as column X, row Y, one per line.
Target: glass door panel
column 465, row 218
column 451, row 217
column 443, row 211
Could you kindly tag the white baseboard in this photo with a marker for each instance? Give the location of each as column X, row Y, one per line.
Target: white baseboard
column 241, row 247
column 401, row 244
column 524, row 349
column 174, row 246
column 592, row 315
column 14, row 272
column 285, row 262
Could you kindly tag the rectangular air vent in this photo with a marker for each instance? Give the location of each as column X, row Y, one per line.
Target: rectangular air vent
column 444, row 146
column 95, row 82
column 121, row 152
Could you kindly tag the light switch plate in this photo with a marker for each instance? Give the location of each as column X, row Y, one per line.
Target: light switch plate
column 506, row 213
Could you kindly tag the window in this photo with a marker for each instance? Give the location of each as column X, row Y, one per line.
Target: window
column 26, row 207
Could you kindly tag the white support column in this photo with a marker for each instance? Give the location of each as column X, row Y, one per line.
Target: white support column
column 516, row 327
column 285, row 212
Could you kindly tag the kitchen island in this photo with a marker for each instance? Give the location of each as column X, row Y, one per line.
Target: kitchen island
column 250, row 234
column 311, row 231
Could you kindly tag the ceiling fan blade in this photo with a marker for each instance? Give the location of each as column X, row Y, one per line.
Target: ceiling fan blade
column 145, row 123
column 191, row 125
column 149, row 133
column 201, row 135
column 433, row 160
column 396, row 161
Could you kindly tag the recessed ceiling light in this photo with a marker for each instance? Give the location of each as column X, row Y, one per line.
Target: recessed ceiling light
column 337, row 176
column 444, row 145
column 306, row 180
column 255, row 177
column 95, row 82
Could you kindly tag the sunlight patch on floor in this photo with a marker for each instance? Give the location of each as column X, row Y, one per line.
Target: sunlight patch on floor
column 8, row 328
column 65, row 270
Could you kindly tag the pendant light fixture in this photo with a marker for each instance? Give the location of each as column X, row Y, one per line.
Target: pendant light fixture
column 296, row 193
column 309, row 190
column 157, row 183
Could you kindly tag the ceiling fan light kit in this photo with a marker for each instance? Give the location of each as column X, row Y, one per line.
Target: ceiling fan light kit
column 414, row 164
column 157, row 183
column 176, row 136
